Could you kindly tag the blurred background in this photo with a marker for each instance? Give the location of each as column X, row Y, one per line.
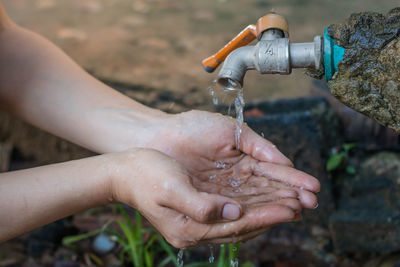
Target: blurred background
column 161, row 43
column 151, row 50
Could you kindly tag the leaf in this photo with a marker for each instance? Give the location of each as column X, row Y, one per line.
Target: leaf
column 248, row 264
column 351, row 170
column 334, row 161
column 349, row 146
column 132, row 244
column 69, row 240
column 168, row 249
column 221, row 257
column 164, row 261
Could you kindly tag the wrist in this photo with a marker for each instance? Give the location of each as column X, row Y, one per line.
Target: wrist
column 121, row 178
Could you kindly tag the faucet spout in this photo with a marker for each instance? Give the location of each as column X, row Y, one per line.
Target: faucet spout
column 236, row 65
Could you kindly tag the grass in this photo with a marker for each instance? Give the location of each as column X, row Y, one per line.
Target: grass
column 143, row 247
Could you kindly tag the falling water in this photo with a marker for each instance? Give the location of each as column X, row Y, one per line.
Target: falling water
column 239, row 105
column 230, row 93
column 211, row 258
column 179, row 259
column 235, row 263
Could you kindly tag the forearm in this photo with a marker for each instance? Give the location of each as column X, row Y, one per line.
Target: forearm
column 34, row 197
column 43, row 86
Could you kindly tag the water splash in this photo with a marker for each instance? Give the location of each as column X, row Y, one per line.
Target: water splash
column 235, row 262
column 211, row 258
column 214, row 95
column 221, row 165
column 233, row 182
column 179, row 258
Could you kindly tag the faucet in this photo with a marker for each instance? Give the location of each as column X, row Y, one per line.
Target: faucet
column 273, row 54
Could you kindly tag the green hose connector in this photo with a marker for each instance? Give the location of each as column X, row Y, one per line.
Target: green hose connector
column 333, row 54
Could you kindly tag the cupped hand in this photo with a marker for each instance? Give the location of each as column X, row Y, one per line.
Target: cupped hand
column 188, row 210
column 204, row 143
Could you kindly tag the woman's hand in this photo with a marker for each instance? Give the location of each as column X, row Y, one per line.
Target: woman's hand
column 204, row 143
column 189, row 211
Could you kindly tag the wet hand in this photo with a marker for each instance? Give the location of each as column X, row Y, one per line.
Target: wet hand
column 172, row 200
column 204, row 143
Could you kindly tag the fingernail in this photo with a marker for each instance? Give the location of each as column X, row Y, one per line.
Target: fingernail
column 316, row 206
column 230, row 212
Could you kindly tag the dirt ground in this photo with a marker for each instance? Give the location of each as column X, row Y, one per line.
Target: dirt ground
column 160, row 43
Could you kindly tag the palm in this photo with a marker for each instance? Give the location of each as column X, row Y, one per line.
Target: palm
column 256, row 172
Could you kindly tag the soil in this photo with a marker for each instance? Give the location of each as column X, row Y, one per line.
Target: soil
column 368, row 78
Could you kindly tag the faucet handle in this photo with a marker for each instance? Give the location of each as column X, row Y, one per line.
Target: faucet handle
column 251, row 32
column 272, row 21
column 243, row 38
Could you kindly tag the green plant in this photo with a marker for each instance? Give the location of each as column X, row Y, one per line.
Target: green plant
column 143, row 245
column 338, row 158
column 140, row 245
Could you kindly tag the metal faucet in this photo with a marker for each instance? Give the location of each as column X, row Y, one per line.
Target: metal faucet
column 273, row 54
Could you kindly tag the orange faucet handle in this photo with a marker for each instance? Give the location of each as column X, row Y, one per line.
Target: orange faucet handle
column 243, row 38
column 272, row 21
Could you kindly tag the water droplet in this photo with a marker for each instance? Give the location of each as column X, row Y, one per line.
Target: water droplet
column 212, row 177
column 221, row 165
column 233, row 182
column 211, row 258
column 179, row 258
column 215, row 101
column 301, row 188
column 235, row 263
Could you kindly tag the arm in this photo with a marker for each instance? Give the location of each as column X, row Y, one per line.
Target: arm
column 33, row 197
column 43, row 86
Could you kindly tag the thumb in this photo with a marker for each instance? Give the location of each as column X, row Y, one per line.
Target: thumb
column 203, row 207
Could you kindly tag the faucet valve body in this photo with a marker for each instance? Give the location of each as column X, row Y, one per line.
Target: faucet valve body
column 273, row 54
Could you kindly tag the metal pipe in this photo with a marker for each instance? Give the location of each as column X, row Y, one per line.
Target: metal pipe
column 272, row 54
column 236, row 65
column 302, row 55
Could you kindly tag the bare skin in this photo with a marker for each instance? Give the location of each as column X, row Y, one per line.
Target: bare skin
column 167, row 173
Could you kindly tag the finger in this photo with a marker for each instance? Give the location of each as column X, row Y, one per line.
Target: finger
column 246, row 236
column 307, row 199
column 260, row 148
column 253, row 219
column 287, row 175
column 201, row 206
column 269, row 197
column 239, row 238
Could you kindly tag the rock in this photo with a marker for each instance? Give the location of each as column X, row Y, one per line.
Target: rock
column 102, row 244
column 368, row 216
column 368, row 78
column 358, row 128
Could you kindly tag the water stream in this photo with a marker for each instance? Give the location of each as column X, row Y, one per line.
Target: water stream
column 231, row 94
column 179, row 258
column 228, row 95
column 211, row 258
